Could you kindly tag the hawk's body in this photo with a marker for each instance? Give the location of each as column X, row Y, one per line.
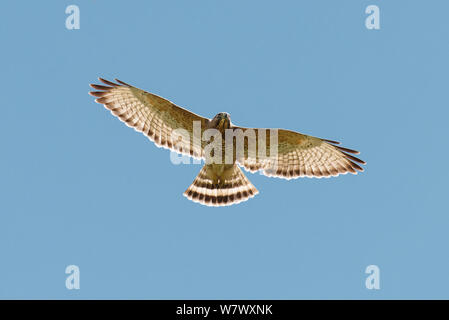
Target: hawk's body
column 222, row 183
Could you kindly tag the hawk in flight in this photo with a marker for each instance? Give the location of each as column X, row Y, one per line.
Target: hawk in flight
column 222, row 183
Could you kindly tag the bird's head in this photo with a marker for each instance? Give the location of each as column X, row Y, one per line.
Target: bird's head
column 221, row 121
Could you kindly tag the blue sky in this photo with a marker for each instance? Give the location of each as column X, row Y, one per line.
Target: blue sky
column 79, row 187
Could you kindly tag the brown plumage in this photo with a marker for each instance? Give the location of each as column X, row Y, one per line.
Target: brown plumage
column 219, row 183
column 236, row 188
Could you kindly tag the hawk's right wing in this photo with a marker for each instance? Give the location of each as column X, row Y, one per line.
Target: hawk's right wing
column 152, row 115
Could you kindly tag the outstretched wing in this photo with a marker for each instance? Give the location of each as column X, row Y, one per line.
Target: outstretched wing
column 152, row 115
column 299, row 155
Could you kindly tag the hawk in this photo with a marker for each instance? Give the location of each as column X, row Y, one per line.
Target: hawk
column 222, row 183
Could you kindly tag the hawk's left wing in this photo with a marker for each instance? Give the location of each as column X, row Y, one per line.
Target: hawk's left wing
column 299, row 155
column 152, row 115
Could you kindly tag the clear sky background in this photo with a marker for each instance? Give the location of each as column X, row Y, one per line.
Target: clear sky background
column 79, row 187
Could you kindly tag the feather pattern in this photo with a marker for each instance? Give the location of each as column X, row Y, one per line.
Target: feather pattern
column 299, row 155
column 234, row 190
column 155, row 117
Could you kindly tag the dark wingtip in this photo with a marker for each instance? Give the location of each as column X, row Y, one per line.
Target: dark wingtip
column 99, row 87
column 331, row 141
column 347, row 150
column 354, row 158
column 357, row 167
column 123, row 83
column 108, row 82
column 97, row 93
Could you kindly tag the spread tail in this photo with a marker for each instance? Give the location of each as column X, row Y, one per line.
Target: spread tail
column 235, row 189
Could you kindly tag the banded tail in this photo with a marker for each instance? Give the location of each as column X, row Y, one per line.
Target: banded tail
column 235, row 189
